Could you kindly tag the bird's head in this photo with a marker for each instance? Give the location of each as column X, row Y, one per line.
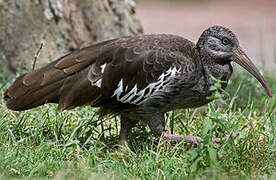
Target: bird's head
column 221, row 46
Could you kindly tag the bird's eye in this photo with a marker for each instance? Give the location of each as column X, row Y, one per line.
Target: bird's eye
column 225, row 41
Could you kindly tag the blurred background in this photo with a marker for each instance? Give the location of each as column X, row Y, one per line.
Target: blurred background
column 62, row 26
column 253, row 21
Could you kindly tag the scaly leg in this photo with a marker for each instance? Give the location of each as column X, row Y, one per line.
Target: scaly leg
column 178, row 138
column 157, row 124
column 126, row 125
column 189, row 139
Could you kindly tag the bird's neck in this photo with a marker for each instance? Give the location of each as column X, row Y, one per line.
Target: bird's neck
column 218, row 71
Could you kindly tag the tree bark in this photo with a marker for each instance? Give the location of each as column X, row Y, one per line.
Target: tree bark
column 61, row 25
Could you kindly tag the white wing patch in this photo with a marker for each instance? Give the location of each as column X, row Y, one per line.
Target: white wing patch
column 128, row 97
column 119, row 90
column 103, row 68
column 136, row 96
column 99, row 81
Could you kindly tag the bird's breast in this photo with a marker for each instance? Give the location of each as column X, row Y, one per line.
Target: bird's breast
column 185, row 91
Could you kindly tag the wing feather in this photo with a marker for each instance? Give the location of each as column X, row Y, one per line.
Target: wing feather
column 138, row 69
column 111, row 73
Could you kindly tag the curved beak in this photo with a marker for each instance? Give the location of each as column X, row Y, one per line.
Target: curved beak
column 242, row 59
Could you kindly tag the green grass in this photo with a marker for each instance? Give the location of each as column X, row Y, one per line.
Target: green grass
column 43, row 143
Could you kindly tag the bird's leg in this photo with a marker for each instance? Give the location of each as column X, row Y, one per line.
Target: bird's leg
column 126, row 125
column 157, row 124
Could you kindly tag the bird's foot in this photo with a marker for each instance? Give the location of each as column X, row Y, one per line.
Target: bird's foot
column 219, row 140
column 178, row 138
column 189, row 139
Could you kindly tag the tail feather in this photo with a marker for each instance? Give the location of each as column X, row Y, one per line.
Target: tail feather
column 77, row 91
column 51, row 85
column 64, row 81
column 21, row 97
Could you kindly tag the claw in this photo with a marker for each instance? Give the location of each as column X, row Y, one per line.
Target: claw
column 189, row 139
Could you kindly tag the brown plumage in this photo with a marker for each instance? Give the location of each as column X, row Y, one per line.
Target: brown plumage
column 140, row 78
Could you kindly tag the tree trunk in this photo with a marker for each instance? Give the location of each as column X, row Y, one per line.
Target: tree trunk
column 61, row 26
